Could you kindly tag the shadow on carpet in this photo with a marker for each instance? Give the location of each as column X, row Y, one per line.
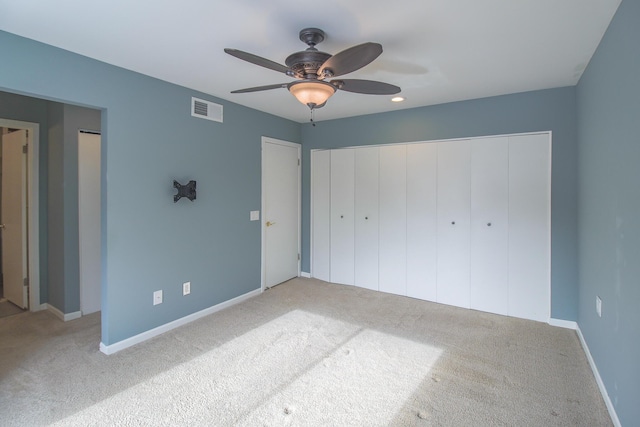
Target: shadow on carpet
column 9, row 309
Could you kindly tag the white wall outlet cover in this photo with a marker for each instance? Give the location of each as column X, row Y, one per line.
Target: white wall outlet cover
column 186, row 288
column 598, row 306
column 254, row 216
column 157, row 297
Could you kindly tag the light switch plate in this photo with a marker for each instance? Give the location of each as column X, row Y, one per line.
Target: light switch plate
column 254, row 216
column 157, row 297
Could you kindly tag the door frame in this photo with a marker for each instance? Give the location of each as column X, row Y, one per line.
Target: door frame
column 83, row 286
column 33, row 207
column 269, row 140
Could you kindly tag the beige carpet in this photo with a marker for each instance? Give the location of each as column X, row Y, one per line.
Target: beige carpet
column 305, row 353
column 8, row 309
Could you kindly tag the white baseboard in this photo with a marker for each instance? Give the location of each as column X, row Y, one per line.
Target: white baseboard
column 305, row 274
column 137, row 339
column 568, row 324
column 65, row 317
column 603, row 390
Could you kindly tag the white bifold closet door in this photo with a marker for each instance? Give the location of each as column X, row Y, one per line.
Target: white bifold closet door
column 422, row 245
column 366, row 217
column 530, row 226
column 489, row 225
column 464, row 223
column 393, row 219
column 342, row 216
column 321, row 214
column 454, row 161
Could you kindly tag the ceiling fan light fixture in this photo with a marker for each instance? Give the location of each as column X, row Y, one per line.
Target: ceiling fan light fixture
column 313, row 94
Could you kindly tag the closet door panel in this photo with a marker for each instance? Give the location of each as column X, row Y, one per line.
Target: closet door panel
column 342, row 216
column 422, row 221
column 453, row 222
column 393, row 219
column 530, row 226
column 366, row 217
column 489, row 224
column 321, row 214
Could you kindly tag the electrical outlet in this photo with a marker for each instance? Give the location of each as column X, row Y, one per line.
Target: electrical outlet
column 254, row 216
column 598, row 306
column 157, row 297
column 186, row 288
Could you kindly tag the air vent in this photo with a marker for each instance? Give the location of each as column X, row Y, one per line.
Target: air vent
column 206, row 110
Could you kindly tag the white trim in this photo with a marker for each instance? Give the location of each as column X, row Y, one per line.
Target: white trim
column 33, row 221
column 137, row 339
column 305, row 274
column 568, row 324
column 603, row 390
column 542, row 132
column 62, row 316
column 269, row 140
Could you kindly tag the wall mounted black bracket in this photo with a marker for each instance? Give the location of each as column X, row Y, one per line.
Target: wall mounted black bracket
column 188, row 191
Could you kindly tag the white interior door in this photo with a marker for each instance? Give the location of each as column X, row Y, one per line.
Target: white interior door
column 14, row 218
column 342, row 216
column 280, row 210
column 321, row 214
column 422, row 247
column 366, row 217
column 393, row 219
column 453, row 222
column 489, row 224
column 89, row 221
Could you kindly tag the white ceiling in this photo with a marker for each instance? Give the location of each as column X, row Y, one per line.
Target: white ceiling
column 437, row 51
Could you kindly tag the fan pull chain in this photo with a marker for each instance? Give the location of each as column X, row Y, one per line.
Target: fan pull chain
column 311, row 120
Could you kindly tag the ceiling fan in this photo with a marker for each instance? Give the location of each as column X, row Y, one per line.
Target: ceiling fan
column 313, row 68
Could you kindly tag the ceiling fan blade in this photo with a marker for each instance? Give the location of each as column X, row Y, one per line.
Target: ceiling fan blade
column 254, row 59
column 368, row 87
column 349, row 60
column 259, row 88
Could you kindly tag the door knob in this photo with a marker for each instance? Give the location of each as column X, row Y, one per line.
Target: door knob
column 269, row 223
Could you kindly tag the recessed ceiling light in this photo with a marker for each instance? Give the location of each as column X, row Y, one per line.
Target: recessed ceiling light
column 397, row 99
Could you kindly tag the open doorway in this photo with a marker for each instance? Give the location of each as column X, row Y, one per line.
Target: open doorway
column 52, row 277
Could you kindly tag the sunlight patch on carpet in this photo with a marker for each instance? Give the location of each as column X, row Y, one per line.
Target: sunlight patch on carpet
column 298, row 369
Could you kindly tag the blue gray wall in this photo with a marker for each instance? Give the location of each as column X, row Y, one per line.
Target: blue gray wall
column 608, row 99
column 545, row 110
column 149, row 139
column 55, row 205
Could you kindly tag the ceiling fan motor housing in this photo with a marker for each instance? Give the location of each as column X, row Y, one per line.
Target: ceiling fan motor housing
column 305, row 64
